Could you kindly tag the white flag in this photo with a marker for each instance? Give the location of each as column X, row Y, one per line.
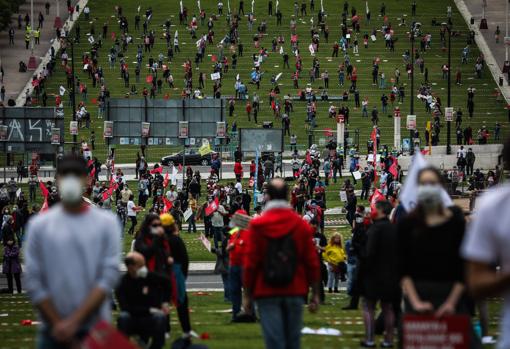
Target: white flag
column 173, row 177
column 253, row 7
column 408, row 195
column 62, row 90
column 311, row 49
column 281, row 50
column 180, row 4
column 278, row 76
column 199, row 7
column 366, row 7
column 176, row 35
column 228, row 4
column 139, row 7
column 322, row 7
column 277, row 5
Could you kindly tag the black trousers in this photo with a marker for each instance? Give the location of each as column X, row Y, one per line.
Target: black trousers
column 183, row 314
column 17, row 278
column 134, row 222
column 147, row 327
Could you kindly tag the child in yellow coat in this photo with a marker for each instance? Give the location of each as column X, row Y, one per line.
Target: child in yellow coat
column 334, row 256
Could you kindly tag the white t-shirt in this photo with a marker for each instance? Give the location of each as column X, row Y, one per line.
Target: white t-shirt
column 488, row 241
column 239, row 187
column 130, row 208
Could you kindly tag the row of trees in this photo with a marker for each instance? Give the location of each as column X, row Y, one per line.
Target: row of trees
column 7, row 9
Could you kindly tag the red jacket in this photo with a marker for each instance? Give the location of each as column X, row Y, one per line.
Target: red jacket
column 238, row 168
column 236, row 254
column 275, row 223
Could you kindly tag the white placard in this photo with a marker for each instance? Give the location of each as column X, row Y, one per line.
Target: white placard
column 343, row 196
column 187, row 214
column 215, row 76
column 356, row 175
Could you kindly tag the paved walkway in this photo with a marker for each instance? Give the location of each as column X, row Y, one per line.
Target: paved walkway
column 14, row 81
column 494, row 53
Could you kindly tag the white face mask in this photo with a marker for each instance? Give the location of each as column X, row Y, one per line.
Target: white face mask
column 154, row 231
column 429, row 196
column 70, row 189
column 142, row 272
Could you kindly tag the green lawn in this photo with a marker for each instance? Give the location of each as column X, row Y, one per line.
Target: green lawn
column 208, row 316
column 487, row 109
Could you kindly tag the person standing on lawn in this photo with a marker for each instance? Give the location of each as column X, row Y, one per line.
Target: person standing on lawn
column 72, row 261
column 11, row 266
column 281, row 264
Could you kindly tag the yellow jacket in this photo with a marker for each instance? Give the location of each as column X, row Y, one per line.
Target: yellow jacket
column 334, row 254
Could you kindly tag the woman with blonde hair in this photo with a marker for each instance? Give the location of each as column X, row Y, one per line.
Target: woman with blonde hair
column 334, row 256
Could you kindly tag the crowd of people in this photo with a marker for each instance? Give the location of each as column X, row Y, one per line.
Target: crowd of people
column 273, row 251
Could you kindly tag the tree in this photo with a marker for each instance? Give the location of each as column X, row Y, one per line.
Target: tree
column 6, row 13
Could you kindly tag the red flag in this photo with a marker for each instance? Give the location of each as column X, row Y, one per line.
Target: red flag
column 92, row 173
column 45, row 194
column 212, row 206
column 148, row 79
column 375, row 198
column 157, row 170
column 166, row 180
column 168, row 205
column 308, row 157
column 180, row 167
column 393, row 168
column 89, row 163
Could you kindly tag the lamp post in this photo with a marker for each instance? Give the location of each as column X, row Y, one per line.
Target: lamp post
column 449, row 100
column 414, row 26
column 72, row 93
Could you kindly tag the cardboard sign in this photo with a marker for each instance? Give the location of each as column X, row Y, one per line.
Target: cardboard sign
column 73, row 128
column 146, row 129
column 343, row 196
column 108, row 129
column 205, row 242
column 221, row 129
column 187, row 214
column 357, row 174
column 427, row 331
column 215, row 76
column 411, row 122
column 55, row 135
column 448, row 113
column 183, row 129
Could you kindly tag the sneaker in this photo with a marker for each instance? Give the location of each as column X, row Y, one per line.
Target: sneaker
column 365, row 344
column 386, row 345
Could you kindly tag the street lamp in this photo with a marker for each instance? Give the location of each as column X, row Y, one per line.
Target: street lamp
column 414, row 30
column 72, row 93
column 449, row 101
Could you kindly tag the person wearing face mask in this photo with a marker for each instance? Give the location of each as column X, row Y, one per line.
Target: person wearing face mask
column 143, row 300
column 152, row 243
column 429, row 240
column 72, row 258
column 11, row 266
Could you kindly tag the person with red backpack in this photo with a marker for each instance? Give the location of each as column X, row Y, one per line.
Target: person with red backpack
column 280, row 266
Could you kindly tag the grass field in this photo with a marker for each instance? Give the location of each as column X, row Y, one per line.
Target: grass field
column 209, row 315
column 487, row 109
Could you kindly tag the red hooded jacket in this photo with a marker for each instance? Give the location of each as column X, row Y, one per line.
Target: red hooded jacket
column 275, row 223
column 238, row 168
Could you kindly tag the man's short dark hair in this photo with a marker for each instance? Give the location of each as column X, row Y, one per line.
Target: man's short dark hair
column 277, row 189
column 129, row 261
column 384, row 206
column 72, row 164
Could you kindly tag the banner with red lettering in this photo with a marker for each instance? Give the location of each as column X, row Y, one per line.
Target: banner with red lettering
column 430, row 332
